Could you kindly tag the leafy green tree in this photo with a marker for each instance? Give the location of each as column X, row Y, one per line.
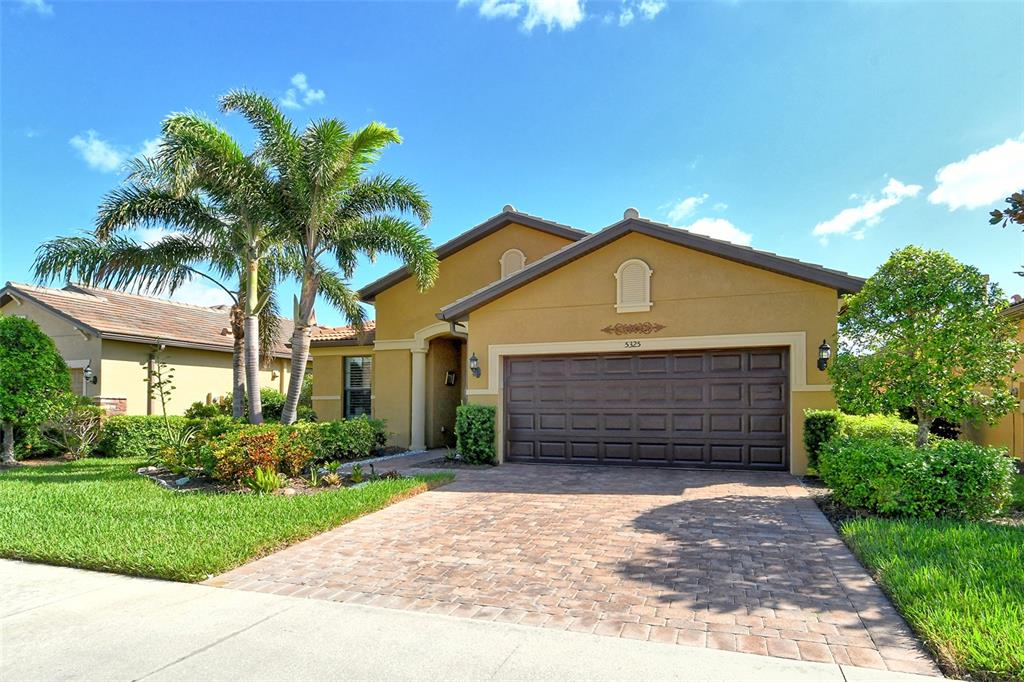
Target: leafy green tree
column 331, row 208
column 33, row 377
column 1013, row 213
column 926, row 331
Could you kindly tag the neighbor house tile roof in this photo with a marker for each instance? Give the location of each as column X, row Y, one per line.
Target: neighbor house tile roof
column 116, row 315
column 344, row 336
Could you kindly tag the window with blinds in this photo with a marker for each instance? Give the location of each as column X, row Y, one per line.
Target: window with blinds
column 512, row 261
column 358, row 382
column 633, row 282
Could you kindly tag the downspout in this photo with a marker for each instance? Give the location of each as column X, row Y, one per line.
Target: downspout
column 149, row 381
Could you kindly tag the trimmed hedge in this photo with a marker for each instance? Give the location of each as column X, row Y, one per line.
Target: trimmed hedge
column 354, row 438
column 821, row 426
column 136, row 435
column 948, row 478
column 474, row 433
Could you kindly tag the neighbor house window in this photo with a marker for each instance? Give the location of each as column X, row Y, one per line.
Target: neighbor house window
column 633, row 287
column 512, row 261
column 358, row 378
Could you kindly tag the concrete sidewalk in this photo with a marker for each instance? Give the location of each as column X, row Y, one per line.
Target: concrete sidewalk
column 69, row 624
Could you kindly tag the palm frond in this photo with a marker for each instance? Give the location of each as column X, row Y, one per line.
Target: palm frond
column 337, row 292
column 396, row 237
column 383, row 194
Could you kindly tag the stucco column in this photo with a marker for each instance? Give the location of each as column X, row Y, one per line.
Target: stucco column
column 418, row 437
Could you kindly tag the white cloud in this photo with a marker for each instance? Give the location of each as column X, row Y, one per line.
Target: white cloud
column 680, row 210
column 301, row 94
column 152, row 235
column 98, row 153
column 646, row 9
column 199, row 291
column 150, row 148
column 651, row 8
column 563, row 14
column 720, row 206
column 983, row 178
column 32, row 133
column 720, row 228
column 867, row 214
column 105, row 156
column 38, row 6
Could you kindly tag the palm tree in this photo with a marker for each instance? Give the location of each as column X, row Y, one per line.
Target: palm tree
column 224, row 203
column 330, row 208
column 161, row 268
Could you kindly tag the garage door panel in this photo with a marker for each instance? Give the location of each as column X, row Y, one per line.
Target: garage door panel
column 724, row 408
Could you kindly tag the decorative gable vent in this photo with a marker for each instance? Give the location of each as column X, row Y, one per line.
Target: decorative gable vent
column 633, row 280
column 512, row 261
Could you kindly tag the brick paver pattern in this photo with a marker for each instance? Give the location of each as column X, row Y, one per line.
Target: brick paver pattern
column 739, row 561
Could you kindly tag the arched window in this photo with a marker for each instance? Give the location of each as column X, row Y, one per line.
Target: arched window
column 512, row 261
column 633, row 285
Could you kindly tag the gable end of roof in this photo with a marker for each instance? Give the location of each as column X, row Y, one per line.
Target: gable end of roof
column 369, row 292
column 834, row 279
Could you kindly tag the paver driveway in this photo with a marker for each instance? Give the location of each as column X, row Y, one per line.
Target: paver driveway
column 730, row 560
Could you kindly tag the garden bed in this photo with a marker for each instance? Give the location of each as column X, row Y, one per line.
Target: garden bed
column 295, row 485
column 98, row 513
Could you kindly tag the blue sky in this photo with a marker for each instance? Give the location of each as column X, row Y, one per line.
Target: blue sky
column 832, row 132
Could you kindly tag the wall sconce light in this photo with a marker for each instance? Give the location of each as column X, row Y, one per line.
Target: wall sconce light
column 824, row 353
column 474, row 365
column 90, row 376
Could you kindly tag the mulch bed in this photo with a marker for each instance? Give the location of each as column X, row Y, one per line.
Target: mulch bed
column 205, row 484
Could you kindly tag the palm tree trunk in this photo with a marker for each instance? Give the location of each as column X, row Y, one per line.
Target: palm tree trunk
column 300, row 343
column 252, row 344
column 252, row 368
column 300, row 357
column 237, row 363
column 8, row 454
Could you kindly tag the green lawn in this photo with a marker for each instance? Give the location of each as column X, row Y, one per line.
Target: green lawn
column 99, row 514
column 959, row 584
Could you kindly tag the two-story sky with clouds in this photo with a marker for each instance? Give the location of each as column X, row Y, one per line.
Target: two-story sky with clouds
column 833, row 132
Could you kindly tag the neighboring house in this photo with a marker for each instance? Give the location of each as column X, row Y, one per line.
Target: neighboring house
column 116, row 336
column 1008, row 432
column 639, row 344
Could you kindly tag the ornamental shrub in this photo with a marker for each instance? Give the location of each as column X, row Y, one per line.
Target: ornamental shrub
column 136, row 435
column 237, row 454
column 474, row 433
column 201, row 410
column 946, row 478
column 820, row 426
column 354, row 438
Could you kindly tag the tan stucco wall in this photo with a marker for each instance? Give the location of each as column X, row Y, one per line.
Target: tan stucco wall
column 196, row 374
column 694, row 294
column 402, row 310
column 329, row 379
column 72, row 345
column 1008, row 432
column 392, row 386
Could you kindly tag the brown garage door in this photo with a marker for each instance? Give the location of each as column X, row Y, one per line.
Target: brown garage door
column 716, row 408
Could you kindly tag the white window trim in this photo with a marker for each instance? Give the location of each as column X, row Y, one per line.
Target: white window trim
column 501, row 262
column 643, row 307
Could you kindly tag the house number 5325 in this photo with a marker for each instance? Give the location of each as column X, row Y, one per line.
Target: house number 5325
column 632, row 344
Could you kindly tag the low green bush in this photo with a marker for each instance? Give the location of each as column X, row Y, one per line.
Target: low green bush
column 136, row 435
column 474, row 433
column 946, row 479
column 201, row 410
column 354, row 438
column 884, row 426
column 820, row 426
column 237, row 454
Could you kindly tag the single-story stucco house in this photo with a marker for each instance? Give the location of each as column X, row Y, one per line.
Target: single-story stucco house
column 637, row 344
column 116, row 336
